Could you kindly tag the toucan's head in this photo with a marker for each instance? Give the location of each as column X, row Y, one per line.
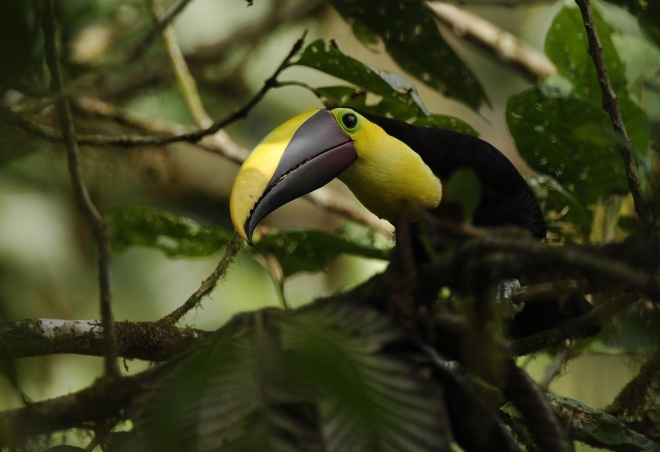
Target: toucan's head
column 311, row 149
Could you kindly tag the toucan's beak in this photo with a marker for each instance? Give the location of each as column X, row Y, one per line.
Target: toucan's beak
column 301, row 155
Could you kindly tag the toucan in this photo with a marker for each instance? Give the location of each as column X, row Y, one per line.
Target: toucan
column 384, row 162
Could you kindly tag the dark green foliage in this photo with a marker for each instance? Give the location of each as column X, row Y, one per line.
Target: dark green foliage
column 463, row 187
column 411, row 37
column 337, row 375
column 581, row 154
column 388, row 106
column 330, row 59
column 566, row 45
column 136, row 225
column 313, row 250
column 320, row 378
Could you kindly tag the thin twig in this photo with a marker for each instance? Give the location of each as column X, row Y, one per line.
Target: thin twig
column 128, row 57
column 99, row 228
column 242, row 112
column 192, row 136
column 231, row 252
column 185, row 81
column 610, row 104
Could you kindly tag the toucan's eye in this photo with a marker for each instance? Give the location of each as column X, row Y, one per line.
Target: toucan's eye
column 349, row 120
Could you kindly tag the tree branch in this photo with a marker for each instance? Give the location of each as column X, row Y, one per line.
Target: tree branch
column 505, row 46
column 103, row 400
column 149, row 341
column 611, row 106
column 99, row 227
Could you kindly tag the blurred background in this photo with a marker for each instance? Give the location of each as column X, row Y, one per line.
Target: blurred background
column 47, row 257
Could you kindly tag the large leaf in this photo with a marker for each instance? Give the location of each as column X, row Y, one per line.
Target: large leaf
column 330, row 59
column 566, row 45
column 313, row 250
column 412, row 38
column 237, row 392
column 386, row 106
column 136, row 225
column 316, row 379
column 370, row 399
column 565, row 133
column 570, row 139
column 595, row 427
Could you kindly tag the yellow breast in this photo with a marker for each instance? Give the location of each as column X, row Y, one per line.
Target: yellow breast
column 388, row 173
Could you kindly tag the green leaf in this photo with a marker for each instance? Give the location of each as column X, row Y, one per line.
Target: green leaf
column 238, row 391
column 330, row 59
column 566, row 45
column 446, row 122
column 366, row 37
column 463, row 187
column 385, row 106
column 642, row 71
column 596, row 427
column 321, row 378
column 565, row 215
column 313, row 250
column 569, row 139
column 412, row 39
column 136, row 225
column 369, row 398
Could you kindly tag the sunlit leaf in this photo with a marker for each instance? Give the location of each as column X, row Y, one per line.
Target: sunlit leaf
column 328, row 58
column 136, row 225
column 411, row 36
column 313, row 250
